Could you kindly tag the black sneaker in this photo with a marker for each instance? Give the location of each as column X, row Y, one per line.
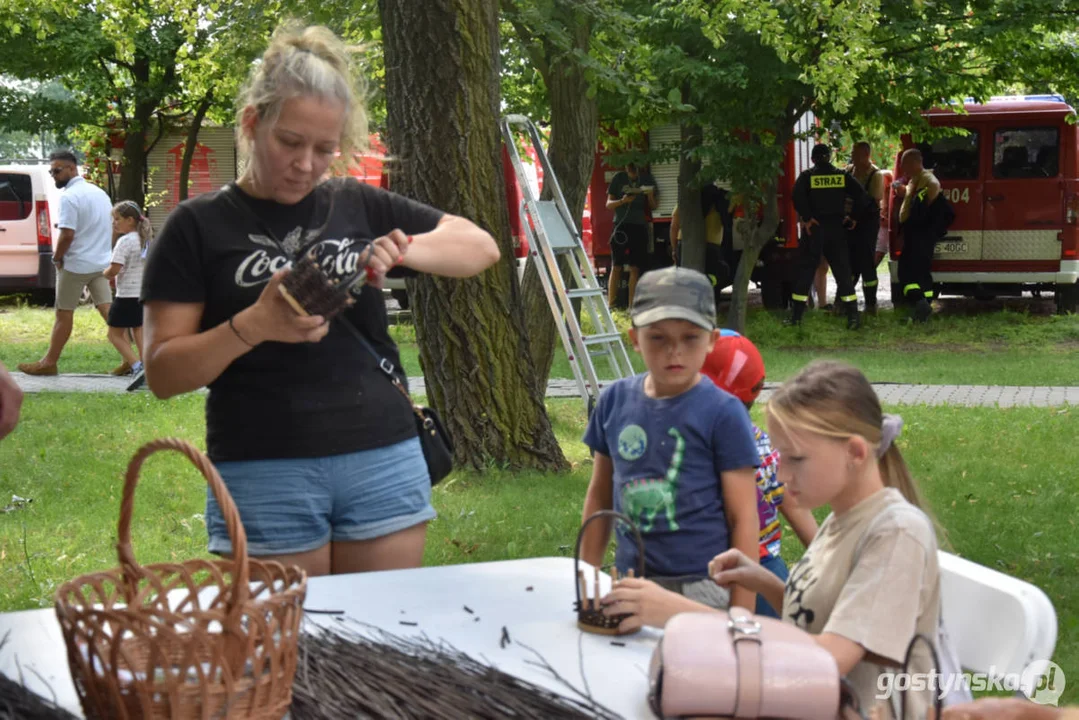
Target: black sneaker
column 138, row 382
column 922, row 311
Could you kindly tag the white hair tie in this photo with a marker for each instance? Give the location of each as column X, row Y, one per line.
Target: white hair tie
column 890, row 428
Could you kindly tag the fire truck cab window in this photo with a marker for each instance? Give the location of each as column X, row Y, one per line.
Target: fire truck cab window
column 1026, row 153
column 954, row 157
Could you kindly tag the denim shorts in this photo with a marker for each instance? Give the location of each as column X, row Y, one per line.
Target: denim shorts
column 298, row 505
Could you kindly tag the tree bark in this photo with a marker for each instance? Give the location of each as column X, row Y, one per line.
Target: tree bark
column 572, row 149
column 193, row 140
column 690, row 213
column 442, row 114
column 762, row 233
column 133, row 165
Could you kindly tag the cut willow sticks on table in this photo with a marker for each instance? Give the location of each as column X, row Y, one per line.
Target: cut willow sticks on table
column 369, row 673
column 19, row 703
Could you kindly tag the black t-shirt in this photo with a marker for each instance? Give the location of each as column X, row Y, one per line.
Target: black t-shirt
column 283, row 400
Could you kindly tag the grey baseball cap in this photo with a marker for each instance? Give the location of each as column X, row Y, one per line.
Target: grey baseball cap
column 674, row 293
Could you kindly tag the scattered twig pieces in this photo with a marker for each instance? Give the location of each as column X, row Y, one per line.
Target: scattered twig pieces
column 617, row 644
column 477, row 619
column 528, row 589
column 407, row 622
column 315, row 611
column 469, row 610
column 505, row 638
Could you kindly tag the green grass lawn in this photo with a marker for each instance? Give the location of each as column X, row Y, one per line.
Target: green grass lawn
column 994, row 348
column 1016, row 513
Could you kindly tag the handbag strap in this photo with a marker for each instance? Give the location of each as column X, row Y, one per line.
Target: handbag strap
column 384, row 364
column 938, row 701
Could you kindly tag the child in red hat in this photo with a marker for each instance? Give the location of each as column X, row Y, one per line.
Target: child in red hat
column 735, row 365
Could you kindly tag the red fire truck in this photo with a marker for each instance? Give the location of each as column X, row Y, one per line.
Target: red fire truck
column 1013, row 179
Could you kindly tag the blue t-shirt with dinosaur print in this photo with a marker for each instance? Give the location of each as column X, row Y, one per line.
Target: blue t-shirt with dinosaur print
column 668, row 454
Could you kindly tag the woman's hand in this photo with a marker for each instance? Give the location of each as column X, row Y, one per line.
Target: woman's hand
column 383, row 254
column 734, row 568
column 272, row 318
column 647, row 604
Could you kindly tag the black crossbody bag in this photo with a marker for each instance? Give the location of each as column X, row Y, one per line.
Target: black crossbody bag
column 434, row 438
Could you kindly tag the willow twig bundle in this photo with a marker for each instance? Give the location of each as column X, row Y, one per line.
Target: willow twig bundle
column 345, row 673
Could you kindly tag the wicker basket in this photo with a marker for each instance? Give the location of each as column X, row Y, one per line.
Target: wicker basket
column 590, row 616
column 199, row 639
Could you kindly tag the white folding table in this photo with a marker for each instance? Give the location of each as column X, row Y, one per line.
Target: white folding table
column 533, row 599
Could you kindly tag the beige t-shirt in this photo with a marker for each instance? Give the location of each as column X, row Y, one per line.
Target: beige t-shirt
column 876, row 185
column 878, row 596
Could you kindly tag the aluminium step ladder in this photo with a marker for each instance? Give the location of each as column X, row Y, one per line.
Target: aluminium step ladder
column 552, row 234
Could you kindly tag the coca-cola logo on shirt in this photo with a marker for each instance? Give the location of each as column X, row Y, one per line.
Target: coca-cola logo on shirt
column 338, row 258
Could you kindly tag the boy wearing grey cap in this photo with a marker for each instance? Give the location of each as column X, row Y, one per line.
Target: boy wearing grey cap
column 675, row 454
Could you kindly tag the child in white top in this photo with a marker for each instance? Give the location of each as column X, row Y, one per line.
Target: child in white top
column 128, row 257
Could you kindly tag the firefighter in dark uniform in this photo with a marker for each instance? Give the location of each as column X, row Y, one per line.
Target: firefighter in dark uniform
column 862, row 240
column 820, row 195
column 924, row 218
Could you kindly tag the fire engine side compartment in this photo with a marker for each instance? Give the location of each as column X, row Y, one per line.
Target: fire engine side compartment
column 1015, row 227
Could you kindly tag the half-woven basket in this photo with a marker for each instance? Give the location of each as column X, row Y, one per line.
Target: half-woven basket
column 198, row 639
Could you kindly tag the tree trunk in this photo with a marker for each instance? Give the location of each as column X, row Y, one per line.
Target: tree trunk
column 133, row 165
column 690, row 213
column 572, row 149
column 442, row 110
column 193, row 140
column 762, row 233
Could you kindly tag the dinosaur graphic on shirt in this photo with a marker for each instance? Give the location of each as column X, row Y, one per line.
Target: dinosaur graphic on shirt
column 643, row 499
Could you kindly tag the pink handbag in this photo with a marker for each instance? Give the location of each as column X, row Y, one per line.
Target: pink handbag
column 738, row 665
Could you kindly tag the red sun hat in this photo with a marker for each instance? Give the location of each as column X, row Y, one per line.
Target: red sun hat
column 735, row 365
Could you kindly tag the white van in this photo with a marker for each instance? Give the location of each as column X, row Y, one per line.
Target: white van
column 29, row 213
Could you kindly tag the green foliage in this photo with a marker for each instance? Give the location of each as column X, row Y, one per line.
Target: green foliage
column 536, row 35
column 143, row 67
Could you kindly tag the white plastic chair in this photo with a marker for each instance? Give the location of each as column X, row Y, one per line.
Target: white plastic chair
column 995, row 621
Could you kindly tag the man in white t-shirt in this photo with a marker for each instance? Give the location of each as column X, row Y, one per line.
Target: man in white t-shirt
column 81, row 254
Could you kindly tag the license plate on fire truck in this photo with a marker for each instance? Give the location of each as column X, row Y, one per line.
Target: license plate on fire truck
column 951, row 247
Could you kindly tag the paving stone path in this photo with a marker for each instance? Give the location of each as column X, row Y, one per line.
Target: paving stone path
column 890, row 393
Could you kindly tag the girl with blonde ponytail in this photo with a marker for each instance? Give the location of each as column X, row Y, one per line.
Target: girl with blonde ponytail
column 869, row 581
column 128, row 258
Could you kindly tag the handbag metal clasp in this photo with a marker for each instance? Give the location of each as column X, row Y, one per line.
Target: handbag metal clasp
column 744, row 627
column 386, row 366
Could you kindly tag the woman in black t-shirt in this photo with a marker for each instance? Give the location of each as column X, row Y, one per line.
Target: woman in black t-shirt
column 317, row 447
